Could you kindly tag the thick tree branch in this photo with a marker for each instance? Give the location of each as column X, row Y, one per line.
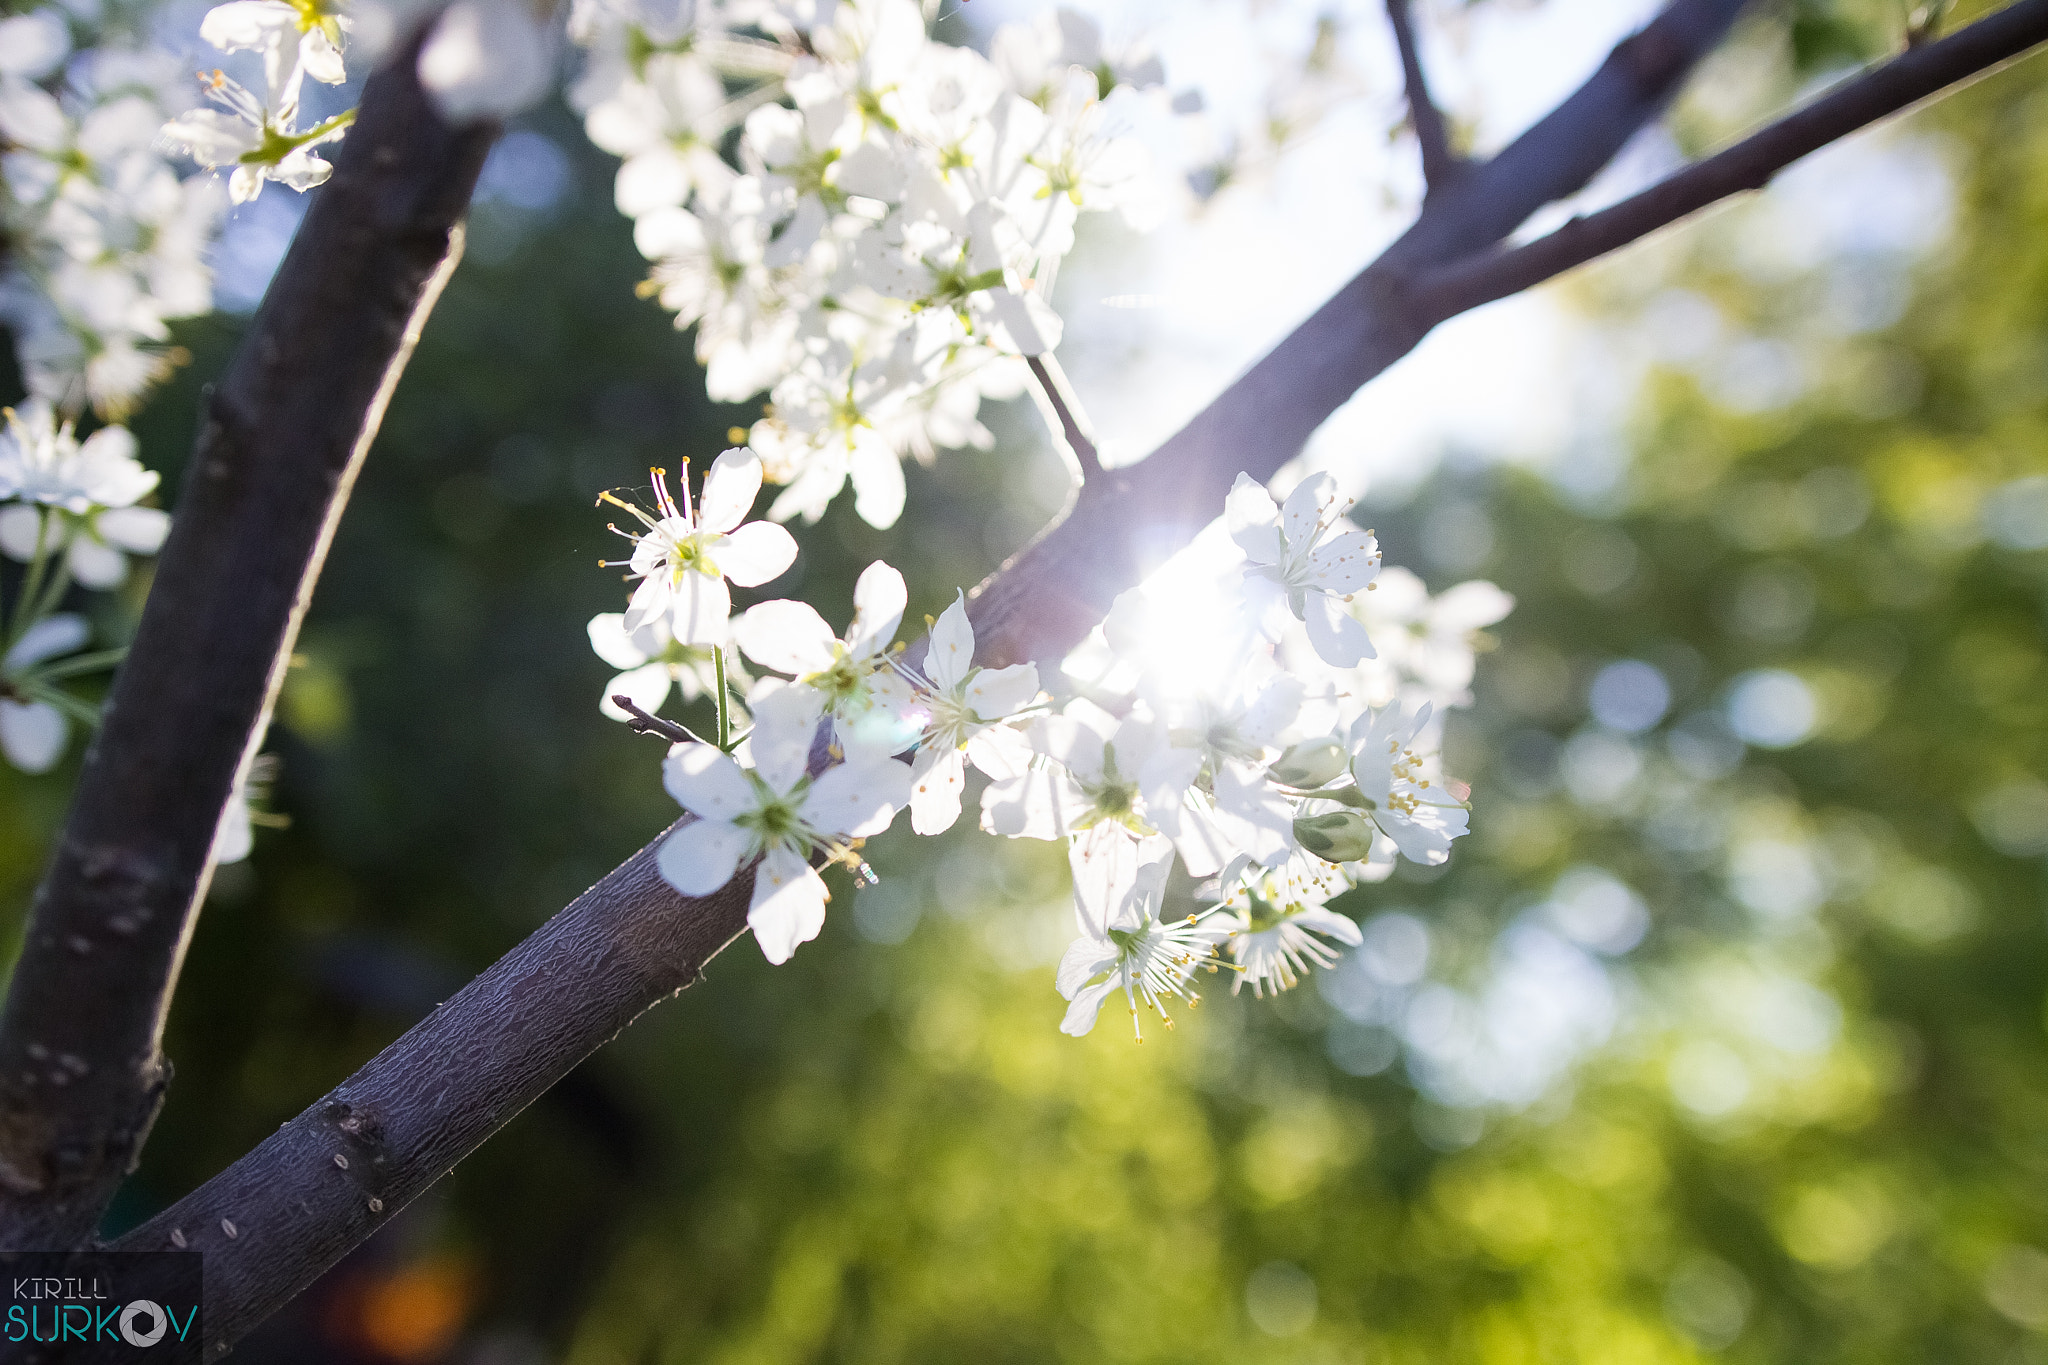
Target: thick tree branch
column 81, row 1075
column 1750, row 164
column 1439, row 162
column 1047, row 597
column 276, row 1218
column 270, row 1223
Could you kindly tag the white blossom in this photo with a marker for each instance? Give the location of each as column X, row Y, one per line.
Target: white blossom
column 774, row 812
column 1408, row 805
column 969, row 716
column 260, row 140
column 850, row 675
column 75, row 498
column 1279, row 925
column 1125, row 941
column 1293, row 550
column 685, row 556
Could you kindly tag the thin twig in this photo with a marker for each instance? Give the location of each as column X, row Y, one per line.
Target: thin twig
column 644, row 722
column 1439, row 162
column 1750, row 164
column 1052, row 383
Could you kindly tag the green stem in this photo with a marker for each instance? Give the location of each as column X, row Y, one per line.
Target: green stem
column 84, row 712
column 724, row 713
column 78, row 663
column 31, row 585
column 59, row 584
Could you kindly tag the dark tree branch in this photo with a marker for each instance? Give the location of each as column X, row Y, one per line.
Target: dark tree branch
column 1053, row 384
column 1439, row 162
column 1051, row 593
column 81, row 1075
column 289, row 1209
column 1750, row 164
column 270, row 1223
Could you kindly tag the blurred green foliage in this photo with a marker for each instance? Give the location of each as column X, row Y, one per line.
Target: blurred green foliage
column 1812, row 1132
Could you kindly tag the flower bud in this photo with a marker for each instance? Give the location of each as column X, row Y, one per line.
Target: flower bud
column 1309, row 764
column 1339, row 836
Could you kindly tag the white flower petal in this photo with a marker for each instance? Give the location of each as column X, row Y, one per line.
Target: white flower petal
column 788, row 907
column 96, row 565
column 789, row 637
column 785, row 728
column 1344, row 564
column 1086, row 958
column 1080, row 1016
column 701, row 857
column 999, row 692
column 612, row 642
column 706, row 782
column 878, row 601
column 1304, row 509
column 756, row 553
column 1469, row 606
column 700, row 609
column 858, row 798
column 1001, row 752
column 1331, row 924
column 937, row 780
column 950, row 656
column 878, row 488
column 1338, row 636
column 1253, row 520
column 19, row 526
column 646, row 687
column 49, row 638
column 31, row 734
column 138, row 530
column 1043, row 803
column 649, row 604
column 730, row 487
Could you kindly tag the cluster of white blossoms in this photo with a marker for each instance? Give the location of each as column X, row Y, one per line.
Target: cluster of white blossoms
column 105, row 242
column 256, row 135
column 1286, row 760
column 106, row 245
column 68, row 511
column 857, row 219
column 865, row 223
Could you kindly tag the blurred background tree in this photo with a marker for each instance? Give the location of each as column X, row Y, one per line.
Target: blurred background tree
column 1722, row 1034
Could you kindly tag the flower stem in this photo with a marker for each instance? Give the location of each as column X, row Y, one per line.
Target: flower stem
column 32, row 582
column 724, row 713
column 79, row 663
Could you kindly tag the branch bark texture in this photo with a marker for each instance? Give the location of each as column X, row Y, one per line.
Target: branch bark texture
column 274, row 1220
column 286, row 429
column 295, row 1204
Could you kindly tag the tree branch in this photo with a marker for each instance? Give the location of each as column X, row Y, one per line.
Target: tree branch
column 1059, row 397
column 81, row 1074
column 1439, row 162
column 287, row 1210
column 1750, row 164
column 270, row 1223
